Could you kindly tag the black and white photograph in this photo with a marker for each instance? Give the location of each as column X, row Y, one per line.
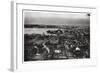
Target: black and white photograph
column 56, row 35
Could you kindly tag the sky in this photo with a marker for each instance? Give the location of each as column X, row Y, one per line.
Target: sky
column 55, row 18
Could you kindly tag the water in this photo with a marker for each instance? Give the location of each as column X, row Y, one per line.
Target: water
column 37, row 30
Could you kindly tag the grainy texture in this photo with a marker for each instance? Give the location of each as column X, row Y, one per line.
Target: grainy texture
column 56, row 35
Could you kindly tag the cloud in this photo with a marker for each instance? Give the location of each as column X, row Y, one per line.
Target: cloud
column 54, row 18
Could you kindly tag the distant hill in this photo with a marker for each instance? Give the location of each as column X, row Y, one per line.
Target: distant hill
column 50, row 26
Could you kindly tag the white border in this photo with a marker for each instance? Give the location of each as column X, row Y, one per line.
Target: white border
column 17, row 62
